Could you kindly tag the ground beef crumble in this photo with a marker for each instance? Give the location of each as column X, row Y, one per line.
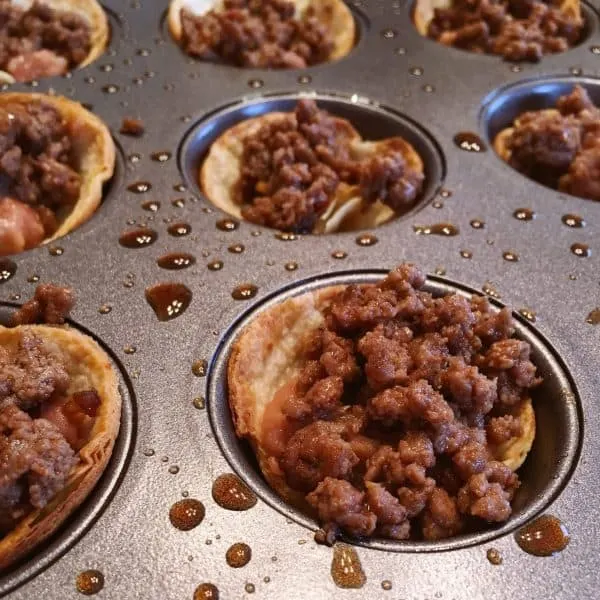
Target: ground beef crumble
column 291, row 169
column 560, row 148
column 51, row 304
column 393, row 415
column 41, row 41
column 518, row 30
column 257, row 33
column 41, row 425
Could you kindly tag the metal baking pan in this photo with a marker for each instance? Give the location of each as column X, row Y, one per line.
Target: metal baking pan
column 176, row 434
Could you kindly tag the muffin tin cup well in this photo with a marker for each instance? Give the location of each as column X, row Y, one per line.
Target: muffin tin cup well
column 85, row 516
column 546, row 471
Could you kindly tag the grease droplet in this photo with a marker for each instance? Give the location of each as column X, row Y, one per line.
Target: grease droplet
column 151, row 206
column 339, row 254
column 469, row 142
column 388, row 34
column 594, row 317
column 291, row 266
column 304, row 79
column 494, row 556
column 346, row 569
column 215, row 265
column 138, row 238
column 489, row 289
column 416, row 71
column 161, row 156
column 444, row 229
column 89, row 582
column 200, row 367
column 238, row 555
column 574, row 221
column 139, row 187
column 110, row 89
column 528, row 314
column 173, row 469
column 199, row 403
column 206, row 591
column 284, row 236
column 544, row 536
column 581, row 250
column 168, row 300
column 477, row 223
column 105, row 309
column 245, row 291
column 510, row 256
column 386, row 584
column 250, row 588
column 236, row 248
column 227, row 224
column 179, row 229
column 186, row 514
column 524, row 214
column 7, row 269
column 176, row 261
column 367, row 239
column 130, row 349
column 230, row 492
column 56, row 251
column 255, row 83
column 466, row 254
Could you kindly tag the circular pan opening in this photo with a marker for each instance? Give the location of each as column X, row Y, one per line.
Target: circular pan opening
column 94, row 505
column 373, row 121
column 544, row 474
column 503, row 106
column 591, row 26
column 361, row 24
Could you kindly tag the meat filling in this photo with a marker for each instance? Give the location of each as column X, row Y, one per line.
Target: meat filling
column 41, row 41
column 292, row 168
column 392, row 422
column 257, row 33
column 560, row 148
column 42, row 427
column 38, row 174
column 518, row 30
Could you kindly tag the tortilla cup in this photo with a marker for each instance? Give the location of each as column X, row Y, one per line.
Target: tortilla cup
column 90, row 11
column 424, row 11
column 94, row 152
column 89, row 367
column 264, row 364
column 333, row 13
column 221, row 170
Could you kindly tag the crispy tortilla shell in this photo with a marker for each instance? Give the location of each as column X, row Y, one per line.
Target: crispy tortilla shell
column 333, row 13
column 264, row 364
column 89, row 367
column 94, row 151
column 424, row 10
column 90, row 11
column 221, row 170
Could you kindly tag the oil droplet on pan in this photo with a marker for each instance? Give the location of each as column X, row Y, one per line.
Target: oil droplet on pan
column 139, row 187
column 236, row 248
column 161, row 157
column 346, row 569
column 206, row 591
column 367, row 239
column 230, row 492
column 138, row 238
column 238, row 555
column 339, row 254
column 89, row 582
column 510, row 256
column 176, row 261
column 574, row 221
column 544, row 536
column 469, row 142
column 528, row 314
column 444, row 229
column 215, row 265
column 200, row 367
column 581, row 250
column 477, row 223
column 168, row 300
column 489, row 289
column 245, row 291
column 227, row 224
column 524, row 214
column 187, row 514
column 7, row 269
column 179, row 229
column 594, row 317
column 494, row 556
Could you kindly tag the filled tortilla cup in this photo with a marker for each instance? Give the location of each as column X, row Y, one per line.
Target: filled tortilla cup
column 221, row 171
column 263, row 367
column 89, row 367
column 424, row 11
column 93, row 151
column 90, row 11
column 334, row 14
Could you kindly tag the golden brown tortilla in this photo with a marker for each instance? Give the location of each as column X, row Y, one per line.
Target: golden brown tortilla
column 423, row 11
column 333, row 13
column 221, row 170
column 93, row 148
column 89, row 367
column 268, row 356
column 94, row 15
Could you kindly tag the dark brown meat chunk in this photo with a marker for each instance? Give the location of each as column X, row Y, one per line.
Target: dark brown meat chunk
column 41, row 41
column 132, row 127
column 30, row 376
column 257, row 33
column 396, row 417
column 51, row 304
column 517, row 30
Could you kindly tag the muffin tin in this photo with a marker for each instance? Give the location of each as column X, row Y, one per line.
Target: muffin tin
column 497, row 233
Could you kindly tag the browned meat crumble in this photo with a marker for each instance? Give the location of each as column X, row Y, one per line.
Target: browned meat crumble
column 518, row 30
column 561, row 148
column 292, row 167
column 51, row 304
column 257, row 33
column 41, row 41
column 395, row 410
